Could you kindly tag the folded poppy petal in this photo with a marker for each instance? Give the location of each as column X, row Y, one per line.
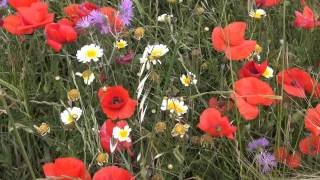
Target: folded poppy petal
column 13, row 22
column 66, row 21
column 241, row 51
column 35, row 16
column 254, row 91
column 218, row 42
column 56, row 46
column 294, row 91
column 113, row 173
column 310, row 145
column 21, row 3
column 312, row 120
column 267, row 3
column 49, row 169
column 306, row 19
column 234, row 33
column 68, row 33
column 246, row 110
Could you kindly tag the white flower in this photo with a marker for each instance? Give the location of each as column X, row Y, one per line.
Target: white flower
column 188, row 79
column 121, row 134
column 258, row 13
column 89, row 53
column 87, row 76
column 152, row 54
column 268, row 73
column 70, row 115
column 174, row 105
column 121, row 44
column 165, row 18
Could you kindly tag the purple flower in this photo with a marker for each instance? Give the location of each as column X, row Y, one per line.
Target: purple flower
column 3, row 3
column 126, row 11
column 94, row 19
column 267, row 161
column 257, row 143
column 84, row 23
column 126, row 59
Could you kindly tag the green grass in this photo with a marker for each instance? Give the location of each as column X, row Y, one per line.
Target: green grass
column 30, row 94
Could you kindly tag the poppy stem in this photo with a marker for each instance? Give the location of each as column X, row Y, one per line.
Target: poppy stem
column 17, row 135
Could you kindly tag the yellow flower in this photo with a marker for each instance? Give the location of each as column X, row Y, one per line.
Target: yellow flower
column 121, row 44
column 160, row 127
column 257, row 14
column 102, row 158
column 73, row 95
column 87, row 75
column 268, row 73
column 258, row 49
column 180, row 130
column 43, row 129
column 139, row 33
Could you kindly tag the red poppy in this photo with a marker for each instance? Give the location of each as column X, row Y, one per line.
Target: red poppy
column 58, row 34
column 231, row 40
column 310, row 145
column 251, row 92
column 115, row 22
column 281, row 154
column 77, row 11
column 113, row 173
column 312, row 120
column 214, row 124
column 306, row 19
column 221, row 106
column 267, row 3
column 21, row 3
column 106, row 135
column 253, row 69
column 13, row 23
column 296, row 82
column 116, row 103
column 66, row 167
column 291, row 160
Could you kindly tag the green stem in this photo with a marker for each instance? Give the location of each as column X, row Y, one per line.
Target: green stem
column 17, row 135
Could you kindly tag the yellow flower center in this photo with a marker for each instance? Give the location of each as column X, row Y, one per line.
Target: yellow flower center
column 121, row 44
column 156, row 53
column 175, row 106
column 186, row 80
column 86, row 75
column 258, row 49
column 91, row 53
column 267, row 73
column 71, row 118
column 180, row 129
column 123, row 133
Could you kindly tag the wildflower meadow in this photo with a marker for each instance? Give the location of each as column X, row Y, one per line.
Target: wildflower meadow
column 159, row 89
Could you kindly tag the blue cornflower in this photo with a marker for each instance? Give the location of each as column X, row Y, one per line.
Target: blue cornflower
column 126, row 11
column 267, row 161
column 258, row 143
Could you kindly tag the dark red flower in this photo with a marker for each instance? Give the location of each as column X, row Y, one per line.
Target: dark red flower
column 115, row 22
column 67, row 167
column 249, row 93
column 231, row 41
column 113, row 173
column 306, row 19
column 116, row 102
column 296, row 82
column 214, row 124
column 253, row 69
column 267, row 3
column 21, row 3
column 312, row 120
column 77, row 11
column 106, row 135
column 58, row 34
column 310, row 145
column 126, row 59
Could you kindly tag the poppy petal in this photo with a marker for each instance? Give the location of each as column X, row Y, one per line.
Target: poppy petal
column 241, row 51
column 234, row 33
column 246, row 110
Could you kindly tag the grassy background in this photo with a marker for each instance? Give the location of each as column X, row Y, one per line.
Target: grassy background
column 28, row 69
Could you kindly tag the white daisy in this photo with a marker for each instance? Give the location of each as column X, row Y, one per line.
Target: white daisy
column 122, row 134
column 174, row 105
column 89, row 53
column 152, row 54
column 164, row 18
column 70, row 115
column 258, row 13
column 268, row 73
column 188, row 79
column 87, row 76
